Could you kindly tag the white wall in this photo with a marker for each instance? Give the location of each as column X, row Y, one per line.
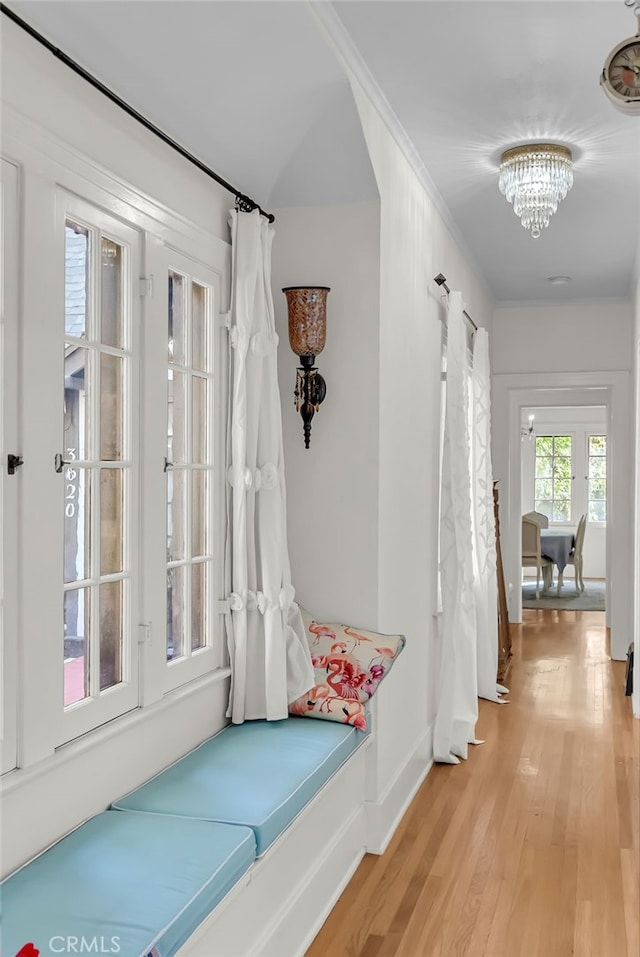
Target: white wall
column 363, row 500
column 552, row 338
column 415, row 246
column 332, row 487
column 580, row 423
column 41, row 88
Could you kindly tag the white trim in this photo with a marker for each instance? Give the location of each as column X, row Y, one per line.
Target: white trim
column 84, row 776
column 293, row 887
column 339, row 38
column 24, row 138
column 384, row 814
column 511, row 392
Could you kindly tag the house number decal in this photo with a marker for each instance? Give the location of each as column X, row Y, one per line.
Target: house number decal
column 71, row 476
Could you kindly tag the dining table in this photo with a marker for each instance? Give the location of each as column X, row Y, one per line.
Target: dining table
column 557, row 544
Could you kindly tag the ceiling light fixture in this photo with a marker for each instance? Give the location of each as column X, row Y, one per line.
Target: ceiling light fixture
column 559, row 280
column 535, row 177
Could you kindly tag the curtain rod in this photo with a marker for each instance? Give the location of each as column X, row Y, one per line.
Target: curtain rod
column 243, row 203
column 440, row 279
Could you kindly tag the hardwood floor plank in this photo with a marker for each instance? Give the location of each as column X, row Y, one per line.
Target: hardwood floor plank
column 530, row 848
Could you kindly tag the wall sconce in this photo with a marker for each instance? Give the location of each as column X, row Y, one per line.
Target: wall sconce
column 528, row 432
column 307, row 307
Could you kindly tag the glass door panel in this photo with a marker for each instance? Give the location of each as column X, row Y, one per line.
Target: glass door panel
column 189, row 465
column 96, row 460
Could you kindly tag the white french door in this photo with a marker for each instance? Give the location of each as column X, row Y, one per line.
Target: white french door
column 184, row 472
column 80, row 530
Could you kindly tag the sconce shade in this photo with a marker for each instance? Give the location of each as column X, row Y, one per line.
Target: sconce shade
column 307, row 306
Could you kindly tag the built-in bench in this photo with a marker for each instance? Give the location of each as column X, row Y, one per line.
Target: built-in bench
column 153, row 873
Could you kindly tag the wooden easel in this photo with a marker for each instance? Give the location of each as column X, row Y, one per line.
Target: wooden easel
column 504, row 633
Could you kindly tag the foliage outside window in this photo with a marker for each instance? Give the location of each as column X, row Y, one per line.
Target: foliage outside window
column 597, row 478
column 553, row 477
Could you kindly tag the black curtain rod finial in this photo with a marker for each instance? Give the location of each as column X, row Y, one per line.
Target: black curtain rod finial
column 441, row 281
column 246, row 205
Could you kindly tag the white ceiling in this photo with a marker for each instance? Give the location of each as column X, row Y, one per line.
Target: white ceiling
column 254, row 90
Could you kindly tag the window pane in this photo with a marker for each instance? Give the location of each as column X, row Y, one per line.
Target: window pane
column 111, row 521
column 176, row 318
column 76, row 423
column 111, row 401
column 76, row 279
column 111, row 294
column 175, row 514
column 198, row 513
column 562, row 467
column 562, row 445
column 176, row 417
column 597, row 489
column 544, row 445
column 561, row 511
column 597, row 467
column 175, row 612
column 597, row 512
column 111, row 637
column 597, row 445
column 199, row 337
column 76, row 645
column 77, row 525
column 544, row 506
column 199, row 418
column 553, row 476
column 544, row 488
column 543, row 467
column 198, row 605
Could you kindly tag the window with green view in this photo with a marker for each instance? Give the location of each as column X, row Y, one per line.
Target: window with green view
column 597, row 478
column 553, row 477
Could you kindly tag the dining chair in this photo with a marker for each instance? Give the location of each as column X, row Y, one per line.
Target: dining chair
column 531, row 554
column 575, row 558
column 539, row 517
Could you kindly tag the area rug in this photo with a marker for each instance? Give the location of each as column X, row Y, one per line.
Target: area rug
column 591, row 599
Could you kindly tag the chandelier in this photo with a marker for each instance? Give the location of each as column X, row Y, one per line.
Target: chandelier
column 535, row 178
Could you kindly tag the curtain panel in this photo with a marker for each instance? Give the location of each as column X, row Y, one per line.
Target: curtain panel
column 484, row 528
column 269, row 655
column 457, row 704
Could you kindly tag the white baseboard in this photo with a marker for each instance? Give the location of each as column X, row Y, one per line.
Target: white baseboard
column 383, row 816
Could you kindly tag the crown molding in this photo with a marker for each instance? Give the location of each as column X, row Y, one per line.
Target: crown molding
column 329, row 21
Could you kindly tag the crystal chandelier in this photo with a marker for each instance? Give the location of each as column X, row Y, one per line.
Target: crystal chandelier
column 535, row 178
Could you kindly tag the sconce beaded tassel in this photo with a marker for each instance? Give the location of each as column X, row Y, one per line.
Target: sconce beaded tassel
column 307, row 308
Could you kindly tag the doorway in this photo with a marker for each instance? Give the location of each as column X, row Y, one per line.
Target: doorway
column 512, row 393
column 563, row 480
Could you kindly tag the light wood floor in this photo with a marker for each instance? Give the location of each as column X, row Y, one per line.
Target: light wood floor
column 529, row 848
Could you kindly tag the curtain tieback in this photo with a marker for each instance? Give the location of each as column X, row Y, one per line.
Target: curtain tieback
column 266, row 477
column 252, row 600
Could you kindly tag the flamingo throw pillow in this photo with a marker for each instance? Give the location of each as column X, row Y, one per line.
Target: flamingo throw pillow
column 349, row 665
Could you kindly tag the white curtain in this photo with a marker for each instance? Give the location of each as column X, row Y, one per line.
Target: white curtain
column 270, row 660
column 457, row 705
column 484, row 529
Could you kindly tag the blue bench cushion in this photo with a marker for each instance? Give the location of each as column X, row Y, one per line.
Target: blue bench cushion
column 260, row 774
column 144, row 880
